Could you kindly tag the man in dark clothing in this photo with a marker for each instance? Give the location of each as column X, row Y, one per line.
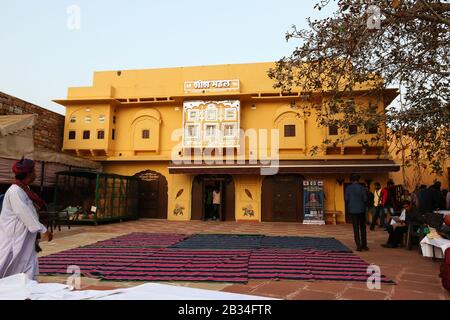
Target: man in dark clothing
column 409, row 215
column 356, row 203
column 388, row 201
column 370, row 204
column 420, row 193
column 431, row 199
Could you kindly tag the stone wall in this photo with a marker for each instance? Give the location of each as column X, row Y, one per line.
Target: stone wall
column 49, row 129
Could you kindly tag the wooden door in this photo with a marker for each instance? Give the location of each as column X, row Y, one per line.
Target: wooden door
column 228, row 200
column 152, row 195
column 281, row 199
column 197, row 207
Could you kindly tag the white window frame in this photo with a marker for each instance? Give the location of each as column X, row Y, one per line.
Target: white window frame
column 210, row 110
column 197, row 132
column 234, row 117
column 101, row 118
column 87, row 119
column 216, row 127
column 231, row 136
column 193, row 118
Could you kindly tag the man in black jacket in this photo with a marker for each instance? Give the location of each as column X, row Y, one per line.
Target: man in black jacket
column 356, row 204
column 431, row 199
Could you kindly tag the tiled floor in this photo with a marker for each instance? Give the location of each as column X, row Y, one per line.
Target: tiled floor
column 416, row 276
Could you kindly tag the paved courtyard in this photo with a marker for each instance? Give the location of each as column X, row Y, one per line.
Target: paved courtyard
column 416, row 277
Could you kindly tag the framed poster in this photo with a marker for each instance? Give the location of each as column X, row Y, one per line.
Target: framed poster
column 313, row 202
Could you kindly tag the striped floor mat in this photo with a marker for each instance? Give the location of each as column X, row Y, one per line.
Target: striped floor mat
column 221, row 242
column 311, row 264
column 142, row 240
column 227, row 258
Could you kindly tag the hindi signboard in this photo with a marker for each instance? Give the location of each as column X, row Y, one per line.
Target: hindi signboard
column 205, row 86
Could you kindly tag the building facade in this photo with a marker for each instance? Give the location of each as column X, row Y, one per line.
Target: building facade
column 49, row 128
column 188, row 131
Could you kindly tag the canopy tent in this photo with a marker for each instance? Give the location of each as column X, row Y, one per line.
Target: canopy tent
column 17, row 141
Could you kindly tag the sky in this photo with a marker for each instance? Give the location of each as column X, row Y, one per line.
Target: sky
column 47, row 46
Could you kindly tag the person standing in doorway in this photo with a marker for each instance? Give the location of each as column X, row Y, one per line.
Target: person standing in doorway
column 377, row 207
column 19, row 224
column 216, row 203
column 356, row 203
column 209, row 203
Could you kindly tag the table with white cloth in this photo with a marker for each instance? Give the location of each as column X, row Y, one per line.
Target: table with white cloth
column 435, row 247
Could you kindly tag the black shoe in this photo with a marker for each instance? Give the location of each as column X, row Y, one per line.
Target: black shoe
column 372, row 228
column 366, row 248
column 358, row 249
column 387, row 245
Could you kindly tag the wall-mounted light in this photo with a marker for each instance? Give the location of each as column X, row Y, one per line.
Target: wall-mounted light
column 253, row 107
column 177, row 108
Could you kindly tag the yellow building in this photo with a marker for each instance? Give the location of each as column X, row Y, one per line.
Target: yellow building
column 186, row 131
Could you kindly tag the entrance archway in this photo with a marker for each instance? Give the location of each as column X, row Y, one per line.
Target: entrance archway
column 204, row 184
column 152, row 195
column 282, row 198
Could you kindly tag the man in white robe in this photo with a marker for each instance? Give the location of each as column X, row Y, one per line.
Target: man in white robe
column 19, row 225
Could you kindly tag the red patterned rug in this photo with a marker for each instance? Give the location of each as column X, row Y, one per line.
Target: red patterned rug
column 177, row 257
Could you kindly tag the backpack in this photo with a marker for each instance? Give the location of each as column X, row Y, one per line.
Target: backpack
column 445, row 270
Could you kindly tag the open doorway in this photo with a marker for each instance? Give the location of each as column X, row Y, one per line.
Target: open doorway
column 213, row 198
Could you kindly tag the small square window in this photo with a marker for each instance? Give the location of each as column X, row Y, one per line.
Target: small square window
column 193, row 115
column 332, row 130
column 289, row 130
column 101, row 134
column 73, row 119
column 145, row 134
column 113, row 134
column 86, row 134
column 72, row 135
column 352, row 129
column 372, row 130
column 101, row 119
column 230, row 114
column 87, row 119
column 211, row 114
column 114, row 119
